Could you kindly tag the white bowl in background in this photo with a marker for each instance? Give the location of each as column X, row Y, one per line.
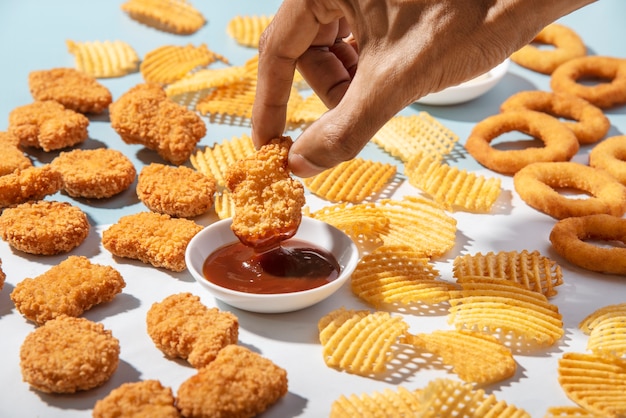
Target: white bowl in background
column 468, row 90
column 311, row 230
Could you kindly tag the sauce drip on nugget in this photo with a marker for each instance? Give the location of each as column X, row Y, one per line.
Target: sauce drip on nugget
column 268, row 201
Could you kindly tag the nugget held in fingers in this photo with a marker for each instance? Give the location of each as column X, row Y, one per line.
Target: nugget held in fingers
column 69, row 288
column 268, row 201
column 176, row 191
column 181, row 326
column 148, row 398
column 152, row 238
column 67, row 354
column 238, row 383
column 73, row 89
column 145, row 115
column 47, row 125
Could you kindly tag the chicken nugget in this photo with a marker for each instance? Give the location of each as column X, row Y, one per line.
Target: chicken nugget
column 146, row 399
column 73, row 89
column 69, row 288
column 44, row 227
column 152, row 238
column 181, row 326
column 145, row 115
column 47, row 125
column 12, row 157
column 32, row 183
column 68, row 354
column 2, row 276
column 176, row 191
column 238, row 383
column 268, row 201
column 98, row 173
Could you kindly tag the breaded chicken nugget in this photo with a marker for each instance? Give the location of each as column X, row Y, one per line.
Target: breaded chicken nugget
column 69, row 288
column 145, row 115
column 47, row 125
column 238, row 383
column 152, row 238
column 98, row 173
column 268, row 201
column 33, row 183
column 181, row 326
column 146, row 399
column 12, row 157
column 68, row 354
column 74, row 89
column 2, row 276
column 176, row 191
column 44, row 227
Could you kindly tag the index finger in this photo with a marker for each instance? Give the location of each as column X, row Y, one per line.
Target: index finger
column 291, row 32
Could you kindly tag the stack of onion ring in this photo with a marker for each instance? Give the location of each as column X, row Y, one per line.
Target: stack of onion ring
column 567, row 45
column 536, row 184
column 611, row 71
column 610, row 156
column 560, row 142
column 590, row 123
column 568, row 238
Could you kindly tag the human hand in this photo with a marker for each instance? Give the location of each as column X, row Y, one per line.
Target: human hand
column 368, row 59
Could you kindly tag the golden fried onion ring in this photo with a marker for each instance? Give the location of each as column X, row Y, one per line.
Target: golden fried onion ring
column 536, row 184
column 569, row 236
column 590, row 123
column 609, row 71
column 560, row 142
column 610, row 156
column 567, row 45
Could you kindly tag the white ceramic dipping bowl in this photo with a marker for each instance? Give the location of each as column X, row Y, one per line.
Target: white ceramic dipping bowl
column 469, row 90
column 311, row 230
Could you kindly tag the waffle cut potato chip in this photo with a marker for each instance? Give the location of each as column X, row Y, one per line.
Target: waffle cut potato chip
column 450, row 186
column 505, row 309
column 308, row 111
column 169, row 63
column 450, row 398
column 606, row 328
column 179, row 17
column 596, row 383
column 204, row 79
column 247, row 30
column 397, row 274
column 419, row 223
column 104, row 59
column 359, row 342
column 216, row 160
column 224, row 205
column 530, row 269
column 400, row 402
column 364, row 222
column 475, row 357
column 568, row 411
column 405, row 136
column 351, row 181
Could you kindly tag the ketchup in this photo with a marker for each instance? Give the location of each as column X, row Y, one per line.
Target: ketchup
column 293, row 266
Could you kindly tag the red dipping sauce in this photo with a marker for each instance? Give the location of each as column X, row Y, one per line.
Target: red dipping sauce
column 294, row 266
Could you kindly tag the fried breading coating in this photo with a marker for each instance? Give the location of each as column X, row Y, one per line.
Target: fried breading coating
column 47, row 125
column 176, row 191
column 238, row 383
column 268, row 201
column 67, row 354
column 181, row 326
column 152, row 238
column 32, row 183
column 69, row 288
column 145, row 399
column 74, row 89
column 145, row 115
column 44, row 227
column 2, row 276
column 12, row 157
column 97, row 173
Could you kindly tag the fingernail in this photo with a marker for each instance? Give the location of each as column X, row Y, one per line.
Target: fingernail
column 302, row 167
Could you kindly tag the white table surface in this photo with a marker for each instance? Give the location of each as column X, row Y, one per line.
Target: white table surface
column 32, row 37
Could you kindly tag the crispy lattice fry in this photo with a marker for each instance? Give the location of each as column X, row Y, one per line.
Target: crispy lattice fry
column 104, row 59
